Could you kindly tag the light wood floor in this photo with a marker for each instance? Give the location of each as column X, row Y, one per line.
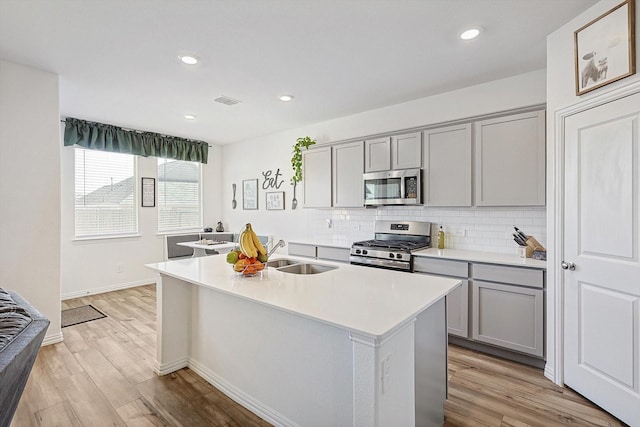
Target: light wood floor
column 102, row 375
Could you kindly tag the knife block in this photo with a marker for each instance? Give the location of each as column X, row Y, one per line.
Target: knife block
column 533, row 245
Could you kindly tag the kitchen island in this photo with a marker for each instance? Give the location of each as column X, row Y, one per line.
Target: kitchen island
column 350, row 346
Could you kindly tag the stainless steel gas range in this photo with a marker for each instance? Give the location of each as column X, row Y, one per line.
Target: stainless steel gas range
column 393, row 244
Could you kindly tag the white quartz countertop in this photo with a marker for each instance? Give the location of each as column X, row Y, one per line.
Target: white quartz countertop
column 483, row 257
column 371, row 301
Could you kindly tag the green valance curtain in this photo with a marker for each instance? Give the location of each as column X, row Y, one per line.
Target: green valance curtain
column 98, row 136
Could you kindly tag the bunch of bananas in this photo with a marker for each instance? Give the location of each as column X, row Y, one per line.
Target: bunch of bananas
column 250, row 244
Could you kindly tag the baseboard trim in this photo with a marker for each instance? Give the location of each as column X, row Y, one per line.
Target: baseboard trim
column 52, row 339
column 167, row 368
column 549, row 373
column 496, row 351
column 102, row 290
column 239, row 396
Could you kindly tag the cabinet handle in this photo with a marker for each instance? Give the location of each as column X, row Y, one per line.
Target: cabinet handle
column 568, row 266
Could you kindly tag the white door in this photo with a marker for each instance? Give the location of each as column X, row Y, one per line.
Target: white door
column 602, row 257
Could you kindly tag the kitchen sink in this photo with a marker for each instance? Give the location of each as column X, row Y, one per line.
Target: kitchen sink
column 298, row 267
column 277, row 263
column 306, row 268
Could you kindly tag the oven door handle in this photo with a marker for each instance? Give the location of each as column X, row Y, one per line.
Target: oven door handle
column 400, row 265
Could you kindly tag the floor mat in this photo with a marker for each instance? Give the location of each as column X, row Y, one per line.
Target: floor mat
column 83, row 314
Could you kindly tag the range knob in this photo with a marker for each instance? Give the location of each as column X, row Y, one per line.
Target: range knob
column 364, row 252
column 358, row 251
column 398, row 256
column 391, row 255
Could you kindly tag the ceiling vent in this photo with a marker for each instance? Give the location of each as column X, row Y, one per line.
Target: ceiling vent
column 226, row 100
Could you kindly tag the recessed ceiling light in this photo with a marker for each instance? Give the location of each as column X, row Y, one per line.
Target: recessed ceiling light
column 469, row 34
column 190, row 116
column 286, row 98
column 189, row 59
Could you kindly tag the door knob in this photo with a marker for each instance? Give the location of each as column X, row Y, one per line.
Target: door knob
column 568, row 266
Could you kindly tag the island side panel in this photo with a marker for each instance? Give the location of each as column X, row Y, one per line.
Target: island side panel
column 383, row 381
column 431, row 365
column 174, row 324
column 288, row 369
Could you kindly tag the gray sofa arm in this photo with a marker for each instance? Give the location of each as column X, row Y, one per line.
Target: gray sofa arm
column 22, row 329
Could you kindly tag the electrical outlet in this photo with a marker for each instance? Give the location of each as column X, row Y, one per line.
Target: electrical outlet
column 119, row 268
column 386, row 374
column 329, row 223
column 458, row 232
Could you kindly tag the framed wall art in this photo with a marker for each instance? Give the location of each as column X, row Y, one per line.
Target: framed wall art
column 250, row 194
column 605, row 48
column 275, row 200
column 148, row 192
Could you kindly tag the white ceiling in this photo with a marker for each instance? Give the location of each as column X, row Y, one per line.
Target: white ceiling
column 118, row 59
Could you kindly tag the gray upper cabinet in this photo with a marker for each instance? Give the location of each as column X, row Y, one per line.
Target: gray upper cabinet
column 510, row 160
column 396, row 152
column 316, row 177
column 348, row 167
column 447, row 166
column 406, row 151
column 377, row 154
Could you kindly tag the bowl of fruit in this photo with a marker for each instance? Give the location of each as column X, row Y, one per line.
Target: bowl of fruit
column 249, row 259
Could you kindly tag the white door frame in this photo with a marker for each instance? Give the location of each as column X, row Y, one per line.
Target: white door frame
column 555, row 229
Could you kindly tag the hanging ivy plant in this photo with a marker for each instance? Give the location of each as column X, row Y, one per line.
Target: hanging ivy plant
column 296, row 160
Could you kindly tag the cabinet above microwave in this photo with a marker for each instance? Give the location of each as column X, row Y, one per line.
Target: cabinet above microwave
column 402, row 151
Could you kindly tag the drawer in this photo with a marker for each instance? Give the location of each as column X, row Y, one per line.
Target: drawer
column 512, row 275
column 298, row 249
column 334, row 254
column 444, row 267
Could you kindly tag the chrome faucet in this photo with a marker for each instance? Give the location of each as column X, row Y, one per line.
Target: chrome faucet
column 280, row 244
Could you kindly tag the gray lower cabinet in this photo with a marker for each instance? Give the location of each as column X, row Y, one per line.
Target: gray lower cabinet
column 458, row 299
column 507, row 306
column 331, row 253
column 500, row 305
column 301, row 249
column 508, row 316
column 458, row 311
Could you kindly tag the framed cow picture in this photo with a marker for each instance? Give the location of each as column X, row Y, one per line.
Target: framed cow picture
column 605, row 48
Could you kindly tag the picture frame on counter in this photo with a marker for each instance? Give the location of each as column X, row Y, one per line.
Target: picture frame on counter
column 274, row 200
column 605, row 48
column 148, row 196
column 250, row 194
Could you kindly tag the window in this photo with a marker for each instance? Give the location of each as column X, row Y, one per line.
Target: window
column 179, row 200
column 105, row 194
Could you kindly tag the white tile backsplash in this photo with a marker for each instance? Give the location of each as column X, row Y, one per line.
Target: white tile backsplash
column 485, row 229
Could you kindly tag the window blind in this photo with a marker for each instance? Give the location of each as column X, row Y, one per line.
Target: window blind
column 105, row 194
column 179, row 195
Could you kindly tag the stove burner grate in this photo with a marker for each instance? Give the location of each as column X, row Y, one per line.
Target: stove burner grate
column 392, row 244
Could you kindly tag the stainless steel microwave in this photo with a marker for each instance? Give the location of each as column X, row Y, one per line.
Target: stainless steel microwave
column 395, row 187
